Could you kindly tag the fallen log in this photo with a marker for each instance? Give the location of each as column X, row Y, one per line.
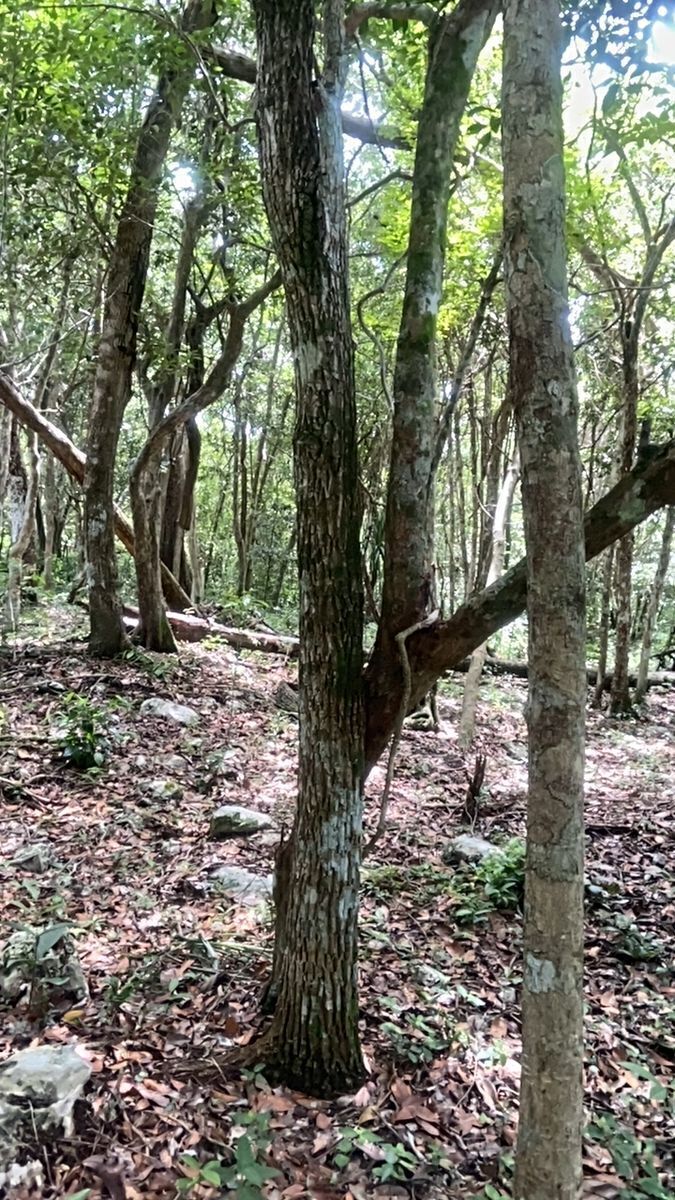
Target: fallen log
column 189, row 628
column 502, row 666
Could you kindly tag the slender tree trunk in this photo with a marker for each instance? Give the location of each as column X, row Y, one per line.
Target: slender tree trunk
column 467, row 719
column 455, row 42
column 154, row 630
column 653, row 605
column 621, row 698
column 603, row 636
column 23, row 500
column 127, row 274
column 49, row 504
column 313, row 1040
column 543, row 389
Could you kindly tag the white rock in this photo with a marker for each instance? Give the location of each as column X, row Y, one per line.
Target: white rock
column 180, row 714
column 467, row 848
column 233, row 820
column 243, row 886
column 38, row 1089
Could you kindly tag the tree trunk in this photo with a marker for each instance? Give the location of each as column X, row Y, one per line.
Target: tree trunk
column 620, row 703
column 74, row 462
column 23, row 493
column 467, row 719
column 653, row 605
column 126, row 279
column 455, row 42
column 49, row 506
column 313, row 1040
column 154, row 630
column 603, row 636
column 543, row 389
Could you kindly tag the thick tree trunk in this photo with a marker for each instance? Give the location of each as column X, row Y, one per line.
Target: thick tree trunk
column 543, row 389
column 126, row 279
column 653, row 605
column 313, row 1040
column 467, row 719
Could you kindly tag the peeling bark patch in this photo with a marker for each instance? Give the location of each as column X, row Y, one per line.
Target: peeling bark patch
column 540, row 974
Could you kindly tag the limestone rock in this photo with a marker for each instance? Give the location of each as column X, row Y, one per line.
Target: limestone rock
column 35, row 858
column 38, row 1088
column 467, row 848
column 163, row 789
column 233, row 820
column 243, row 886
column 180, row 714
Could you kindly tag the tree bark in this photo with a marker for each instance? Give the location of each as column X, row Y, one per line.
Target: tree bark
column 467, row 718
column 154, row 630
column 126, row 279
column 455, row 42
column 74, row 462
column 603, row 636
column 543, row 390
column 23, row 493
column 653, row 605
column 620, row 702
column 313, row 1040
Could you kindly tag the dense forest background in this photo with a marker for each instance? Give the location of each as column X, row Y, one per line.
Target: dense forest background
column 336, row 384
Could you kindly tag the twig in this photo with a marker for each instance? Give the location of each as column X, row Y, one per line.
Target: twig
column 401, row 639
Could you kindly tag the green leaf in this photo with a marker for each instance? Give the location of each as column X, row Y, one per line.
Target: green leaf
column 50, row 938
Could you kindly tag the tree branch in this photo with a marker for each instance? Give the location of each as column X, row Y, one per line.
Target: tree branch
column 243, row 68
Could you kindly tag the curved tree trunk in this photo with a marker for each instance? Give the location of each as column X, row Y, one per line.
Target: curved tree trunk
column 543, row 389
column 126, row 279
column 313, row 1041
column 653, row 605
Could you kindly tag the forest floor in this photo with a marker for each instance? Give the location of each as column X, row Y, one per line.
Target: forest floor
column 174, row 967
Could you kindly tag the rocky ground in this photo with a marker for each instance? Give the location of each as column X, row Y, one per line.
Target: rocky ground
column 141, row 942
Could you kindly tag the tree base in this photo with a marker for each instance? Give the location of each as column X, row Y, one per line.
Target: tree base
column 322, row 1077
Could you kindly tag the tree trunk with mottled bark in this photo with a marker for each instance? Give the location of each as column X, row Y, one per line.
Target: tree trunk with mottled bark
column 313, row 1040
column 455, row 42
column 126, row 279
column 653, row 605
column 543, row 391
column 467, row 720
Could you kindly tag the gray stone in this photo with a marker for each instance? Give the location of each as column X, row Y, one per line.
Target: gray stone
column 38, row 1089
column 467, row 848
column 243, row 886
column 233, row 820
column 174, row 762
column 163, row 789
column 180, row 714
column 34, row 858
